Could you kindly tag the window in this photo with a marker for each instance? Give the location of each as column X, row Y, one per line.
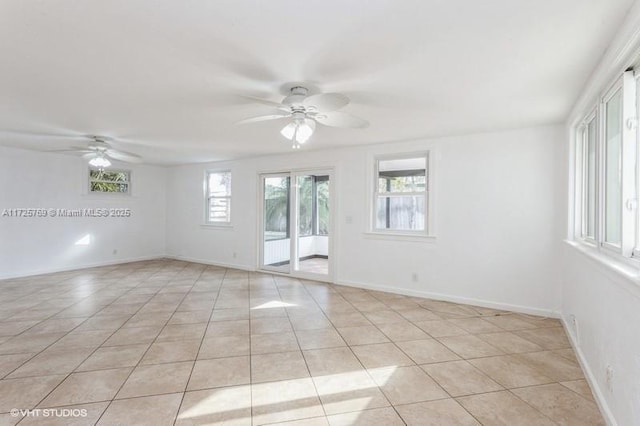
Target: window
column 607, row 178
column 218, row 197
column 400, row 200
column 112, row 181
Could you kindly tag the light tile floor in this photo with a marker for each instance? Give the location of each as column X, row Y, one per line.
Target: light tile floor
column 167, row 342
column 317, row 265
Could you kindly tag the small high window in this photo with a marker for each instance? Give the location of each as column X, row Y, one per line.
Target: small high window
column 111, row 181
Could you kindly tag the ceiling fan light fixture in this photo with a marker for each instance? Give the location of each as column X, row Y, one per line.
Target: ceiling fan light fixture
column 100, row 162
column 304, row 132
column 288, row 131
column 299, row 131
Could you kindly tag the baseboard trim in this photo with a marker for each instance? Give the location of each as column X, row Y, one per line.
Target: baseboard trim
column 456, row 299
column 210, row 262
column 83, row 266
column 588, row 373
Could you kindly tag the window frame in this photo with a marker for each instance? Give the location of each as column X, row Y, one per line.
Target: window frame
column 635, row 252
column 628, row 83
column 584, row 189
column 208, row 198
column 603, row 159
column 426, row 194
column 108, row 193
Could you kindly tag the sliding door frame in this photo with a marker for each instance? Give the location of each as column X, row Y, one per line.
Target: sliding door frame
column 294, row 207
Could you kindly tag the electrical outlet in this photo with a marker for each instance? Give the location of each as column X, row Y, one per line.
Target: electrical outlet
column 609, row 377
column 115, row 251
column 235, row 254
column 414, row 277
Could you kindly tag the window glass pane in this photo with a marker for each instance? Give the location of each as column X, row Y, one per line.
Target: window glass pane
column 109, row 187
column 402, row 175
column 116, row 181
column 219, row 209
column 219, row 196
column 220, row 184
column 322, row 188
column 403, row 213
column 613, row 171
column 305, row 205
column 276, row 208
column 590, row 179
column 109, row 175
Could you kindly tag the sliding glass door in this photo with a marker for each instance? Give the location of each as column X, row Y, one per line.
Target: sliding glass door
column 276, row 220
column 296, row 222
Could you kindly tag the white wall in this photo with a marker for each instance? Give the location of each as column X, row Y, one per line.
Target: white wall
column 606, row 305
column 497, row 227
column 29, row 246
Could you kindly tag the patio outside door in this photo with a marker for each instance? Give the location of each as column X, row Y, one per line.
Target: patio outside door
column 296, row 223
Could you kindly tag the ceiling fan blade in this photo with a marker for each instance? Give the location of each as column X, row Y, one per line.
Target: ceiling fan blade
column 341, row 119
column 325, row 102
column 264, row 101
column 263, row 118
column 24, row 133
column 73, row 149
column 90, row 155
column 127, row 157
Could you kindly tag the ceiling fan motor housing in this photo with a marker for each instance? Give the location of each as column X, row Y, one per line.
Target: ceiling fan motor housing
column 298, row 94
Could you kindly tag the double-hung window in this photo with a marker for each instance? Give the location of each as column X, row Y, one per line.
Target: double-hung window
column 607, row 170
column 401, row 194
column 218, row 197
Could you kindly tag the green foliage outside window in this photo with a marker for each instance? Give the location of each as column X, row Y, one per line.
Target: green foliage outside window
column 114, row 181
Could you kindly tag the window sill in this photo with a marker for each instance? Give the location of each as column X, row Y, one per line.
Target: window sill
column 399, row 236
column 107, row 195
column 221, row 226
column 629, row 269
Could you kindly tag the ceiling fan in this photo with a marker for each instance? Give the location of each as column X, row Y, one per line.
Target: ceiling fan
column 305, row 111
column 99, row 151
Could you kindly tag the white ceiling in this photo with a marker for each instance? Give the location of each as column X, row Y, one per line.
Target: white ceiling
column 165, row 77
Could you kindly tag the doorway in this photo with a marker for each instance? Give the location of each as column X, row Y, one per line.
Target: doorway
column 295, row 232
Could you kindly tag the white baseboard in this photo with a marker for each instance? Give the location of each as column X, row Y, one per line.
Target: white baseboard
column 210, row 262
column 456, row 299
column 588, row 373
column 82, row 266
